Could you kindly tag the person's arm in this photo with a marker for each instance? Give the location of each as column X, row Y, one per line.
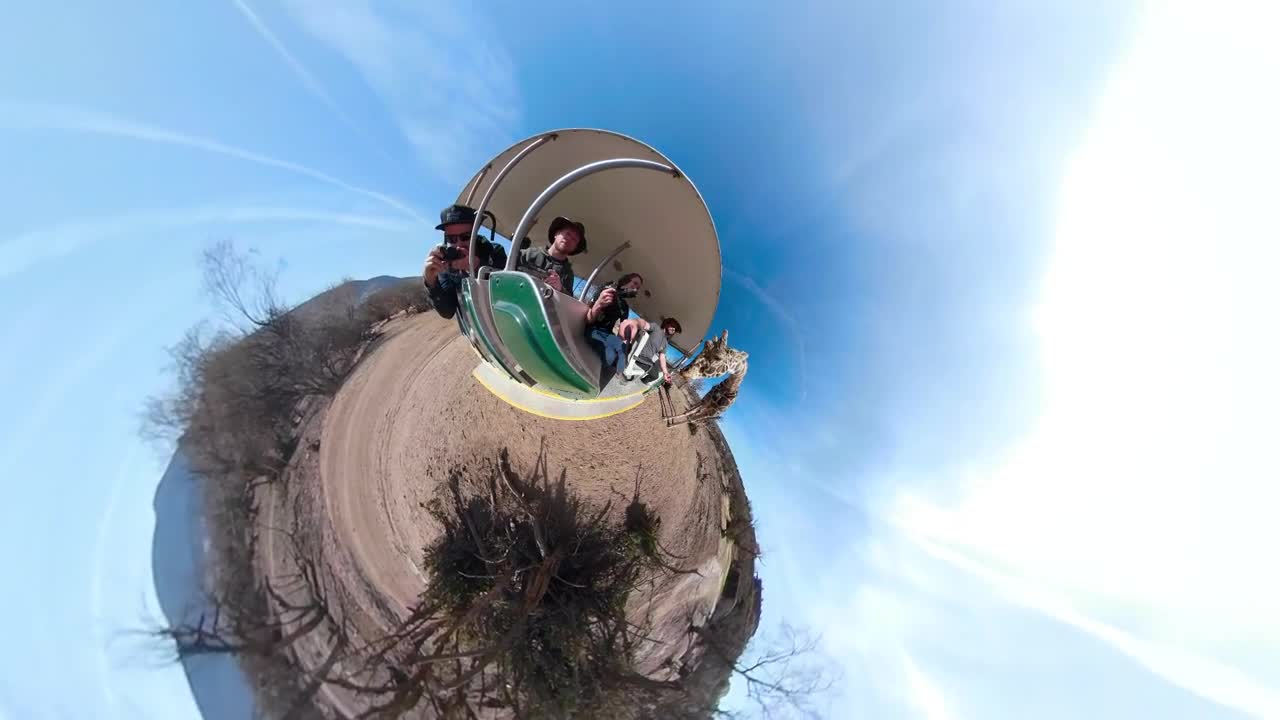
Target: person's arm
column 445, row 302
column 666, row 371
column 602, row 302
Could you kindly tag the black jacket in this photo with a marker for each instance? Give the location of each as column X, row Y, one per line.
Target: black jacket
column 617, row 310
column 444, row 294
column 538, row 262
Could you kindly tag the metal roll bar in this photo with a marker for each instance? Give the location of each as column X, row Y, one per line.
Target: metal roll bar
column 554, row 188
column 582, row 294
column 488, row 195
column 471, row 192
column 687, row 356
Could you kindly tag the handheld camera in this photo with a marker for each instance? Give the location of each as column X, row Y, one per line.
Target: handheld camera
column 450, row 279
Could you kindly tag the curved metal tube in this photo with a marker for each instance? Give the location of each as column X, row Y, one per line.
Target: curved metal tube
column 573, row 176
column 476, row 183
column 582, row 294
column 686, row 357
column 488, row 195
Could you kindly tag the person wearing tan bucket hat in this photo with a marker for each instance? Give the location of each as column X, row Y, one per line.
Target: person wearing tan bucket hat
column 565, row 238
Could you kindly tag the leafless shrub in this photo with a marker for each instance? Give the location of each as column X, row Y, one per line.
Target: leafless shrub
column 238, row 388
column 408, row 296
column 237, row 399
column 527, row 605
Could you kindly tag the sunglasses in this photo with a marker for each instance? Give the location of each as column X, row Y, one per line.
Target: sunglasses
column 458, row 239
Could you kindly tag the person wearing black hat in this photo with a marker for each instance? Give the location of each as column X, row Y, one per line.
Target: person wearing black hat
column 565, row 237
column 447, row 262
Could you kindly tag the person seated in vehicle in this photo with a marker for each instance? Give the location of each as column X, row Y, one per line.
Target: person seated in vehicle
column 608, row 310
column 565, row 238
column 655, row 350
column 447, row 263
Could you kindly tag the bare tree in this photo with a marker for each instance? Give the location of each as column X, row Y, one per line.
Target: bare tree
column 241, row 290
column 784, row 677
column 238, row 390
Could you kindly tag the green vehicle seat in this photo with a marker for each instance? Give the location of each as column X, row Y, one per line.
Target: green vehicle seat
column 543, row 331
column 479, row 313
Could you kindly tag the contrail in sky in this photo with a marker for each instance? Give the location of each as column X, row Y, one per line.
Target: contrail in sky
column 1203, row 676
column 44, row 116
column 308, row 80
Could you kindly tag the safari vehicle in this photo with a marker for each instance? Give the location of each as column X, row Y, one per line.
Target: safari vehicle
column 642, row 214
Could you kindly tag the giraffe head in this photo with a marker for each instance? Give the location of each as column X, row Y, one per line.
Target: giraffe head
column 716, row 359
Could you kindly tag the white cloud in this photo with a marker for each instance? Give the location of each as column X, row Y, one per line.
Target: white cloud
column 45, row 116
column 313, row 85
column 1141, row 509
column 20, row 253
column 925, row 693
column 99, row 573
column 1201, row 675
column 452, row 90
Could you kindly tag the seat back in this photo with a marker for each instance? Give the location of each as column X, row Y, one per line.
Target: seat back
column 570, row 316
column 543, row 332
column 475, row 298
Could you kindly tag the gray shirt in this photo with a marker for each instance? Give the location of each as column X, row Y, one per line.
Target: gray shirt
column 537, row 262
column 657, row 340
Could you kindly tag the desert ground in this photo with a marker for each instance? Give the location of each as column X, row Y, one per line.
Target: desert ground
column 368, row 462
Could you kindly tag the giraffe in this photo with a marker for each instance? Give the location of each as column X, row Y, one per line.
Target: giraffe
column 716, row 359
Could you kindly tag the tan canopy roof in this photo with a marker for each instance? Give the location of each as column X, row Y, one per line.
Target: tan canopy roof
column 673, row 238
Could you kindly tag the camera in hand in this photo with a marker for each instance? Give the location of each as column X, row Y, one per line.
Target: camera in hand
column 450, row 279
column 628, row 292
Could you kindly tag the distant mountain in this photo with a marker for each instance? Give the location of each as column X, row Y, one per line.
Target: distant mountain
column 178, row 563
column 178, row 550
column 365, row 288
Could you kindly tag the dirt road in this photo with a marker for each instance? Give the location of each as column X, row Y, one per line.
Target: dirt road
column 410, row 413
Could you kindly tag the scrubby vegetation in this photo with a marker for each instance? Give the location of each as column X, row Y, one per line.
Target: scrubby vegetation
column 527, row 610
column 241, row 388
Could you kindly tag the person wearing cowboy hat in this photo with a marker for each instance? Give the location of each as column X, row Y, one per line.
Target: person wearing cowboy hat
column 565, row 238
column 456, row 221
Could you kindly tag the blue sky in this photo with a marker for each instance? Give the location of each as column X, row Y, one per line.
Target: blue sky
column 1001, row 270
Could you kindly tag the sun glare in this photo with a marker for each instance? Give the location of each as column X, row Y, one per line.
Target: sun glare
column 1149, row 486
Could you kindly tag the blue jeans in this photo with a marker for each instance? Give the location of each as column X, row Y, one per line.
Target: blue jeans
column 613, row 354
